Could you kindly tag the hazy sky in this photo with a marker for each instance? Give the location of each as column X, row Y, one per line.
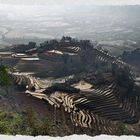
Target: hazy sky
column 57, row 2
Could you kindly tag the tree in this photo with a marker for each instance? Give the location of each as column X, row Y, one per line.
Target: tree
column 5, row 81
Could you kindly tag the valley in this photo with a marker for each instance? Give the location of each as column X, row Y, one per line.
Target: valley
column 115, row 28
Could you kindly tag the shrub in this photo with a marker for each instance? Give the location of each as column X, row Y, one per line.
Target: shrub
column 122, row 130
column 61, row 88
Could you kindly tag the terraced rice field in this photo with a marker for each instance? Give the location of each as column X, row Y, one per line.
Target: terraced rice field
column 96, row 108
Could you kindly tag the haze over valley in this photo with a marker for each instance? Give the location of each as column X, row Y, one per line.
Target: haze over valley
column 109, row 25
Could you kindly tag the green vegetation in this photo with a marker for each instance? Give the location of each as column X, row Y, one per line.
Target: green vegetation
column 122, row 129
column 5, row 80
column 100, row 80
column 132, row 57
column 26, row 123
column 23, row 48
column 61, row 88
column 4, row 76
column 124, row 79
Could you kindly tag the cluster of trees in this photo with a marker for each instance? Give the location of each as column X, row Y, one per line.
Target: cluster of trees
column 61, row 88
column 135, row 54
column 122, row 129
column 22, row 48
column 132, row 57
column 125, row 79
column 64, row 42
column 52, row 44
column 5, row 80
column 26, row 123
